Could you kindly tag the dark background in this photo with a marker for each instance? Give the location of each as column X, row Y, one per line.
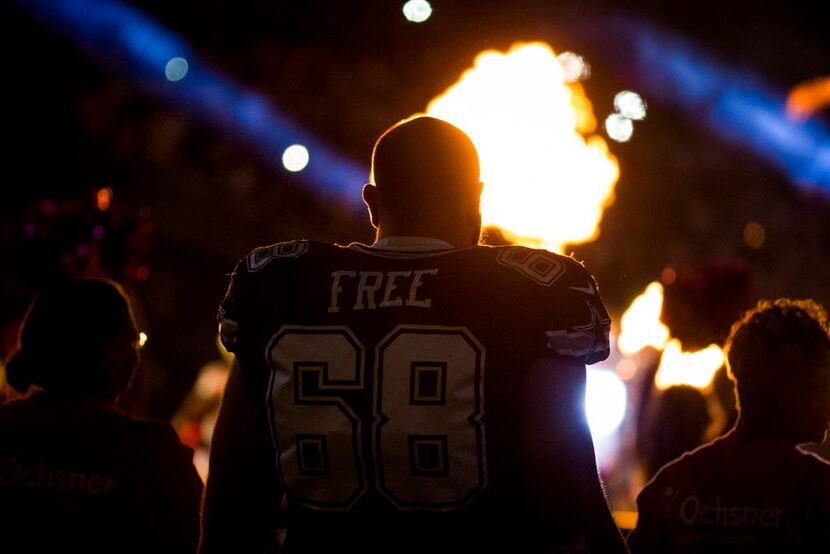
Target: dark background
column 189, row 200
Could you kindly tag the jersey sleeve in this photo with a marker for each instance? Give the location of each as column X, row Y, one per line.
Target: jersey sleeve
column 578, row 325
column 243, row 278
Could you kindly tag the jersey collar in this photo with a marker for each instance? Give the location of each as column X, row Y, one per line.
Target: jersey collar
column 416, row 244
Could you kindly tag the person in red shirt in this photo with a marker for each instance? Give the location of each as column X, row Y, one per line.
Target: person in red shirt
column 754, row 489
column 76, row 473
column 420, row 394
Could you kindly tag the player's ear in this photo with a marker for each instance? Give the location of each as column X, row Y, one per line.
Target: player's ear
column 370, row 198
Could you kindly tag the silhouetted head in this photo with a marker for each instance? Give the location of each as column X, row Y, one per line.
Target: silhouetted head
column 77, row 339
column 778, row 354
column 425, row 182
column 679, row 424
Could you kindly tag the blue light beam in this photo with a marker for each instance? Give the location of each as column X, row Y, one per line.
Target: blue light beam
column 129, row 42
column 733, row 102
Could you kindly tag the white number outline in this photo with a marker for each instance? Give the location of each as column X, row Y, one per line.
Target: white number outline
column 475, row 419
column 279, row 376
column 324, row 383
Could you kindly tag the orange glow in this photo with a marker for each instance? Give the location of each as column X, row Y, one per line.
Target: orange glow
column 688, row 368
column 754, row 235
column 807, row 98
column 546, row 180
column 104, row 198
column 668, row 276
column 641, row 327
column 640, row 324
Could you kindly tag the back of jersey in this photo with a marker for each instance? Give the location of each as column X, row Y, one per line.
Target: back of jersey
column 393, row 380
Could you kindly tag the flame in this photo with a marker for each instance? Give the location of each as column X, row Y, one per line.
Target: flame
column 546, row 181
column 640, row 325
column 688, row 368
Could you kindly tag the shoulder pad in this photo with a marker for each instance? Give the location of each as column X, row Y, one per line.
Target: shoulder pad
column 259, row 257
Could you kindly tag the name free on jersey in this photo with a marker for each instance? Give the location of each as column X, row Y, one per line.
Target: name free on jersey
column 369, row 290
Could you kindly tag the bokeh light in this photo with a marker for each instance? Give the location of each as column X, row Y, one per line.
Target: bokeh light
column 295, row 157
column 732, row 102
column 630, row 104
column 619, row 127
column 605, row 401
column 142, row 339
column 626, row 369
column 176, row 69
column 574, row 67
column 807, row 98
column 417, row 11
column 546, row 179
column 754, row 235
column 103, row 198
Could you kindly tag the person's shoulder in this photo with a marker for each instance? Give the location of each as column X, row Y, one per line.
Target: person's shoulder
column 705, row 455
column 281, row 252
column 512, row 253
column 813, row 461
column 783, row 453
column 816, row 471
column 147, row 431
column 11, row 411
column 13, row 405
column 542, row 266
column 50, row 411
column 155, row 457
column 162, row 444
column 152, row 428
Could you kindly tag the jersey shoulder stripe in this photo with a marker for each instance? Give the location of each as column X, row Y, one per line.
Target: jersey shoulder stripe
column 258, row 258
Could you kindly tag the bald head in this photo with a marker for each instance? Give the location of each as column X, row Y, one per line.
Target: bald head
column 426, row 177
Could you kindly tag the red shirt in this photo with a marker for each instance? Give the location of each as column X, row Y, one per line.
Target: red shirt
column 76, row 475
column 739, row 493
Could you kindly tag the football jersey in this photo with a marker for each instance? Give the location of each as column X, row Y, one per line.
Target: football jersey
column 392, row 378
column 738, row 493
